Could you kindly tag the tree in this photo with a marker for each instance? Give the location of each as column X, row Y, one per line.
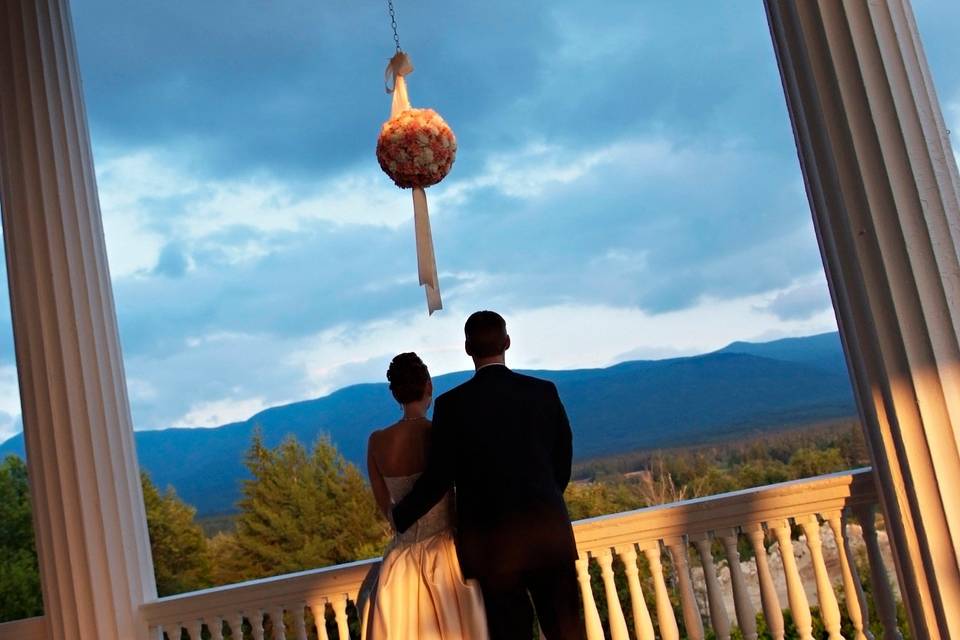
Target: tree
column 19, row 575
column 300, row 510
column 810, row 462
column 181, row 560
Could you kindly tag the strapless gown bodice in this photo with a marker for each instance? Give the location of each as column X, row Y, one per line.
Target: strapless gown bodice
column 438, row 520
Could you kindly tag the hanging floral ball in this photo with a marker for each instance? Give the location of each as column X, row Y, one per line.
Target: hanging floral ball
column 416, row 148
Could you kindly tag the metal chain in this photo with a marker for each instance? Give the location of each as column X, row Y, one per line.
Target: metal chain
column 393, row 24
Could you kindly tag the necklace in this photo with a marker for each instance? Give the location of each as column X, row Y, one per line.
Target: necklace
column 413, row 419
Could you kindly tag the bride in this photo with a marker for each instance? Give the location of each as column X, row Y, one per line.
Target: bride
column 420, row 592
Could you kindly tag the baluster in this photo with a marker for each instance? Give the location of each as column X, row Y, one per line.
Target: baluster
column 856, row 602
column 319, row 610
column 174, row 632
column 196, row 630
column 590, row 615
column 364, row 617
column 879, row 581
column 746, row 616
column 666, row 619
column 156, row 632
column 829, row 609
column 279, row 628
column 718, row 611
column 642, row 625
column 799, row 605
column 216, row 629
column 299, row 621
column 236, row 626
column 691, row 612
column 340, row 613
column 256, row 625
column 615, row 619
column 772, row 611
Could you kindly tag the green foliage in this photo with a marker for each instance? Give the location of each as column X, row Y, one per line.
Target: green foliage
column 181, row 560
column 19, row 575
column 633, row 481
column 180, row 557
column 301, row 510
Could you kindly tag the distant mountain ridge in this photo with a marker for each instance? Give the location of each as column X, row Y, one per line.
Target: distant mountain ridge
column 743, row 388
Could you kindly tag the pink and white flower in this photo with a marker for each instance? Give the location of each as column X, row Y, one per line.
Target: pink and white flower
column 416, row 148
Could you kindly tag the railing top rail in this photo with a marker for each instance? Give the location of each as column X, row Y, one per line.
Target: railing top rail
column 822, row 494
column 311, row 585
column 840, row 478
column 26, row 629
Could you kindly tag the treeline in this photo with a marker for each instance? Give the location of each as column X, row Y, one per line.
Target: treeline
column 301, row 509
column 639, row 479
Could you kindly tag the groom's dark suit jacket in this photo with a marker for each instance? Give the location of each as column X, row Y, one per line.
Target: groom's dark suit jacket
column 503, row 441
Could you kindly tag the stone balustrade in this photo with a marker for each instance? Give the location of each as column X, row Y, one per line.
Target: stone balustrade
column 668, row 550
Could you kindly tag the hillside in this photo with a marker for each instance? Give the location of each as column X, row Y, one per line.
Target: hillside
column 743, row 388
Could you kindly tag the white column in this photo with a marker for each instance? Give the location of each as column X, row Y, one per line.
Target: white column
column 885, row 196
column 92, row 538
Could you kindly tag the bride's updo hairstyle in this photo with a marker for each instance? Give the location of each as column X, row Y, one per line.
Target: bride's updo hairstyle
column 408, row 378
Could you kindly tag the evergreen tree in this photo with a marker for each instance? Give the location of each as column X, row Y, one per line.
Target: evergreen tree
column 181, row 561
column 301, row 510
column 19, row 574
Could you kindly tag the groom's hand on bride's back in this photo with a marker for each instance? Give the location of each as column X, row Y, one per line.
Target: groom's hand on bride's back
column 436, row 479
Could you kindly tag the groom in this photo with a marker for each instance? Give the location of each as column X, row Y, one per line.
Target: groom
column 502, row 440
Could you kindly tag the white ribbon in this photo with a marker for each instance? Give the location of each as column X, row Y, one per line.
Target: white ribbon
column 426, row 259
column 398, row 67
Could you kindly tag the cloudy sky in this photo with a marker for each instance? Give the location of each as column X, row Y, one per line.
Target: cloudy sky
column 626, row 187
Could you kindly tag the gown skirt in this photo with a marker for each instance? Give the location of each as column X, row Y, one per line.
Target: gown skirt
column 421, row 594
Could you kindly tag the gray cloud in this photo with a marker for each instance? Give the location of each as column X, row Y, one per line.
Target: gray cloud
column 800, row 302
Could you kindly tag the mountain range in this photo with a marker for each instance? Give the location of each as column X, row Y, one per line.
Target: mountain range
column 744, row 388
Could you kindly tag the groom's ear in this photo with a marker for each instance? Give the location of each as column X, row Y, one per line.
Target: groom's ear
column 506, row 344
column 466, row 347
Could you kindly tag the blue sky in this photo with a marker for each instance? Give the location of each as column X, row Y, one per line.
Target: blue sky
column 626, row 187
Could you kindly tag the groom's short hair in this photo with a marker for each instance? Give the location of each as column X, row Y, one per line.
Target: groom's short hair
column 486, row 333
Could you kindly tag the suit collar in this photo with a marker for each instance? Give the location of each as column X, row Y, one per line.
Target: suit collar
column 491, row 370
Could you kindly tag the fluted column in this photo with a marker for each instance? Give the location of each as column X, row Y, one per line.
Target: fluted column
column 92, row 538
column 885, row 196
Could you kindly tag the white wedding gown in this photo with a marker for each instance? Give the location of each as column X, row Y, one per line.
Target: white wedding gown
column 421, row 593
